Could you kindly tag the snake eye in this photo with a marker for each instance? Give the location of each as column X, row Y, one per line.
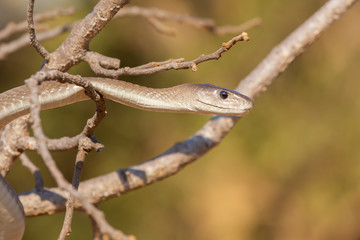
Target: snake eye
column 224, row 94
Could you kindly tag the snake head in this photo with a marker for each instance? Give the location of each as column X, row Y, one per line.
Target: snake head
column 212, row 99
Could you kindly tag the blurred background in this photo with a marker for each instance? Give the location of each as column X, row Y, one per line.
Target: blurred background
column 288, row 170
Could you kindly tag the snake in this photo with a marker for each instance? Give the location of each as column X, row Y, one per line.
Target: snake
column 184, row 98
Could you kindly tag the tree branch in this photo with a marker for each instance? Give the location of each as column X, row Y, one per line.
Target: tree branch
column 13, row 28
column 177, row 64
column 23, row 41
column 70, row 204
column 202, row 23
column 60, row 144
column 31, row 26
column 76, row 44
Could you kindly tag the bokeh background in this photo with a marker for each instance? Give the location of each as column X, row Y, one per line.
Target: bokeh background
column 289, row 170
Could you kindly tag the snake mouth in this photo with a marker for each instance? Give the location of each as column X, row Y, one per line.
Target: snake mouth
column 213, row 105
column 228, row 110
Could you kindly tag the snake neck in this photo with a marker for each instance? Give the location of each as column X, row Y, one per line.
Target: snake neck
column 162, row 100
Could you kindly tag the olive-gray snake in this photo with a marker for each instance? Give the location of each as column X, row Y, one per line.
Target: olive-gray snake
column 185, row 98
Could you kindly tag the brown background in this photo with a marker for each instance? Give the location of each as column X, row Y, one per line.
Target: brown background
column 289, row 170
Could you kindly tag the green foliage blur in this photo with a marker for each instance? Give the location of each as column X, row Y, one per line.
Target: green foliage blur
column 289, row 170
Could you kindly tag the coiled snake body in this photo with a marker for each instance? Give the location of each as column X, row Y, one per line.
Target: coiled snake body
column 185, row 98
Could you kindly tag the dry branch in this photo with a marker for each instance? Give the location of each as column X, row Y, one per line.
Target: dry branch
column 31, row 28
column 13, row 28
column 70, row 204
column 175, row 64
column 74, row 48
column 23, row 41
column 60, row 144
column 202, row 23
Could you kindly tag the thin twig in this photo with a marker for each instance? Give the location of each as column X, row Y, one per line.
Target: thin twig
column 231, row 29
column 178, row 64
column 79, row 163
column 23, row 41
column 31, row 27
column 155, row 67
column 96, row 231
column 137, row 11
column 60, row 144
column 160, row 27
column 202, row 23
column 13, row 28
column 85, row 145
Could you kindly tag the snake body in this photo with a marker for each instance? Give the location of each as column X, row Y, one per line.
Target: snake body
column 12, row 216
column 185, row 98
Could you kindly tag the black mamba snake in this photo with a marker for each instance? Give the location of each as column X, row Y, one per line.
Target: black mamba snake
column 185, row 98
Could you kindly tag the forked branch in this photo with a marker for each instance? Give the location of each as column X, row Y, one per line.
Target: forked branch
column 171, row 64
